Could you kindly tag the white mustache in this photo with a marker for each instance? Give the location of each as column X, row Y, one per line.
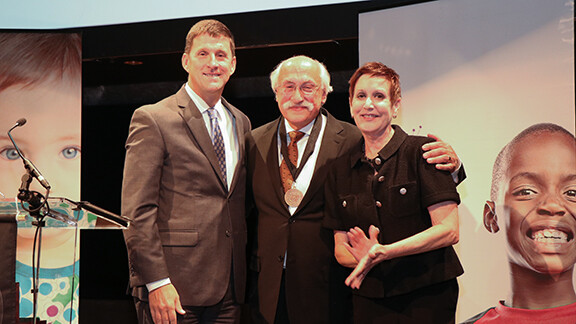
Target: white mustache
column 306, row 105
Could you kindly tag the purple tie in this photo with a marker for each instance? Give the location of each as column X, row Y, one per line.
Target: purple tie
column 218, row 142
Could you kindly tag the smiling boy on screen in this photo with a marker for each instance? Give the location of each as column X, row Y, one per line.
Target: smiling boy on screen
column 534, row 197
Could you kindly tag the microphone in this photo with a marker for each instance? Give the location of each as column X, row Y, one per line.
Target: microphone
column 119, row 220
column 19, row 122
column 27, row 163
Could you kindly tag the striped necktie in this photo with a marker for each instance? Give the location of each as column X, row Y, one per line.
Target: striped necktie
column 218, row 142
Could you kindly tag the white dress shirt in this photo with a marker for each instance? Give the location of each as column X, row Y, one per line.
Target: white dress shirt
column 303, row 181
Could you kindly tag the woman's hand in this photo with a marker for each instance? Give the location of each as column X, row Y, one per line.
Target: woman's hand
column 375, row 255
column 358, row 244
column 365, row 251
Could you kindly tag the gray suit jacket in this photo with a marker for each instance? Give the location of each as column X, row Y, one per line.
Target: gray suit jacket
column 315, row 289
column 186, row 225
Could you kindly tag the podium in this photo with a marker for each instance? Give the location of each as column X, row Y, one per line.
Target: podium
column 62, row 217
column 8, row 288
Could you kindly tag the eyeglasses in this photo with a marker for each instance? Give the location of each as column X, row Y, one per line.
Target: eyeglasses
column 306, row 89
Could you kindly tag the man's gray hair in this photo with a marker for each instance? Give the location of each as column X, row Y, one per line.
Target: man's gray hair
column 324, row 75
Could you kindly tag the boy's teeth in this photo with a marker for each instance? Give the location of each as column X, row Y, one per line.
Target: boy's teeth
column 550, row 236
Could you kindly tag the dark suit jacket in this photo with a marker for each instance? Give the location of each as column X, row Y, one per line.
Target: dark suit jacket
column 186, row 225
column 311, row 269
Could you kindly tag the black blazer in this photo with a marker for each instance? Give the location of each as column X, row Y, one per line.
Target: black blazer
column 395, row 201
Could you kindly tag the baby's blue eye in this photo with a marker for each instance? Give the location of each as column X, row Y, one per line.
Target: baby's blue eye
column 9, row 153
column 70, row 152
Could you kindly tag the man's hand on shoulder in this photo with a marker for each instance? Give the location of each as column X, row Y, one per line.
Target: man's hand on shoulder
column 164, row 303
column 441, row 154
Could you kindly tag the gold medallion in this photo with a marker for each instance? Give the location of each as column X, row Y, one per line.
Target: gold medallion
column 293, row 197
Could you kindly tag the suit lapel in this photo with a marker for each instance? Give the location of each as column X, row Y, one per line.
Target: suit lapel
column 268, row 148
column 329, row 150
column 195, row 122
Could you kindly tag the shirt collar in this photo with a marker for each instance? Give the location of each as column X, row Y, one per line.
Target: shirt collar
column 200, row 103
column 387, row 151
column 306, row 129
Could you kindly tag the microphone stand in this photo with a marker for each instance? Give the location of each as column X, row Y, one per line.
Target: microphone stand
column 38, row 208
column 35, row 202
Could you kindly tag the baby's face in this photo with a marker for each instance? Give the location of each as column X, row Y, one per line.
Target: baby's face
column 540, row 203
column 50, row 138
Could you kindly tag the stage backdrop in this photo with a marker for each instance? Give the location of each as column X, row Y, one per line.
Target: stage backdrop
column 40, row 80
column 476, row 73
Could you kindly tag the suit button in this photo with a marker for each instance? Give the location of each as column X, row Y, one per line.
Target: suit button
column 292, row 221
column 377, row 161
column 378, row 204
column 381, row 179
column 228, row 233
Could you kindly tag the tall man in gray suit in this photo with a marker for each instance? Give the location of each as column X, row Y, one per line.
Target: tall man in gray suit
column 184, row 189
column 299, row 281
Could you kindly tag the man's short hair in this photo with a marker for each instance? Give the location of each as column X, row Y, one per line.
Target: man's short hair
column 213, row 28
column 30, row 58
column 503, row 159
column 324, row 75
